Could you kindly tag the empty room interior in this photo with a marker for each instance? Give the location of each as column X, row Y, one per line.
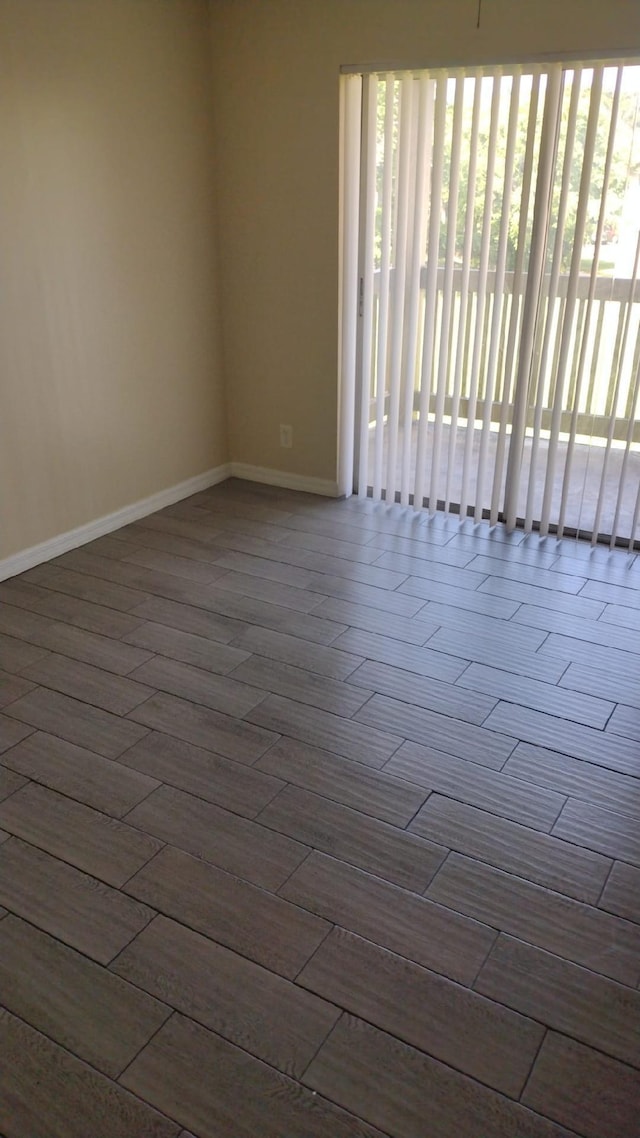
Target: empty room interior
column 319, row 569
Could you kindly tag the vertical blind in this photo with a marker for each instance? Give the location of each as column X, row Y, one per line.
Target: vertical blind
column 491, row 316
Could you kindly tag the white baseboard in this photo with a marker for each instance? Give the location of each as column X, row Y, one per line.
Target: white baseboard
column 283, row 478
column 36, row 554
column 63, row 542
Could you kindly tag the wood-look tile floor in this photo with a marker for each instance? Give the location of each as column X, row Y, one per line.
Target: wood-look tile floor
column 320, row 819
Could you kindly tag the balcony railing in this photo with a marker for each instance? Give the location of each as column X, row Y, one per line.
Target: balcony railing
column 605, row 392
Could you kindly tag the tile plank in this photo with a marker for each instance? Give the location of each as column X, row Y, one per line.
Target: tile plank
column 12, row 732
column 299, row 653
column 185, row 646
column 625, row 721
column 12, row 687
column 296, row 683
column 96, row 1015
column 233, row 606
column 397, row 1088
column 465, row 781
column 593, row 631
column 75, row 908
column 275, row 592
column 564, row 996
column 189, row 619
column 563, row 582
column 221, row 693
column 233, row 738
column 67, row 640
column 386, row 650
column 498, row 653
column 473, row 600
column 261, row 1012
column 354, row 592
column 336, row 547
column 10, row 782
column 178, row 566
column 228, row 1099
column 435, row 1015
column 411, row 630
column 622, row 615
column 80, row 774
column 77, row 722
column 42, row 1084
column 527, row 853
column 256, row 924
column 100, row 845
column 501, row 633
column 596, row 682
column 235, row 844
column 445, row 733
column 86, row 614
column 439, row 569
column 89, row 684
column 528, row 552
column 265, row 569
column 575, row 778
column 16, row 654
column 589, row 710
column 573, row 739
column 423, row 692
column 621, row 894
column 580, row 1088
column 375, row 846
column 561, row 648
column 509, row 591
column 341, row 780
column 392, row 918
column 616, row 835
column 231, row 785
column 60, row 579
column 352, row 740
column 607, row 592
column 541, row 917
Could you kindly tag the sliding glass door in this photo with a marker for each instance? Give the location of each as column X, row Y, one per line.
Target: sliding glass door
column 497, row 323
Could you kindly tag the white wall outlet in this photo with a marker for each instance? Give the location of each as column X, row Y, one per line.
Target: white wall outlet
column 286, row 435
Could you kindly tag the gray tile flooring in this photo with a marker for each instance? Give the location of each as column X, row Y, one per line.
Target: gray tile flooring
column 320, row 819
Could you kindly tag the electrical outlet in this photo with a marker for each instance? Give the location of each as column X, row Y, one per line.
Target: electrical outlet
column 286, row 435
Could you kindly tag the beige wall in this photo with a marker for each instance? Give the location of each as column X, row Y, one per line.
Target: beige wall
column 276, row 65
column 110, row 385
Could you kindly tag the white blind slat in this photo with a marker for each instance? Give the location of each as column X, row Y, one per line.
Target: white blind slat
column 383, row 304
column 481, row 294
column 498, row 296
column 548, row 303
column 350, row 126
column 572, row 292
column 464, row 289
column 370, row 103
column 430, row 293
column 446, row 329
column 534, row 277
column 612, row 417
column 416, row 247
column 399, row 282
column 515, row 314
column 584, row 345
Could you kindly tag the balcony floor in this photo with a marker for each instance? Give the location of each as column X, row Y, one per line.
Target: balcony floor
column 586, row 475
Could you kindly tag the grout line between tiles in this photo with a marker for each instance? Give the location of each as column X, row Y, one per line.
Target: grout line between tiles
column 531, row 1069
column 606, row 882
column 139, row 1052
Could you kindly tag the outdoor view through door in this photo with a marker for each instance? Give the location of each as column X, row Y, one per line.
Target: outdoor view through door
column 493, row 292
